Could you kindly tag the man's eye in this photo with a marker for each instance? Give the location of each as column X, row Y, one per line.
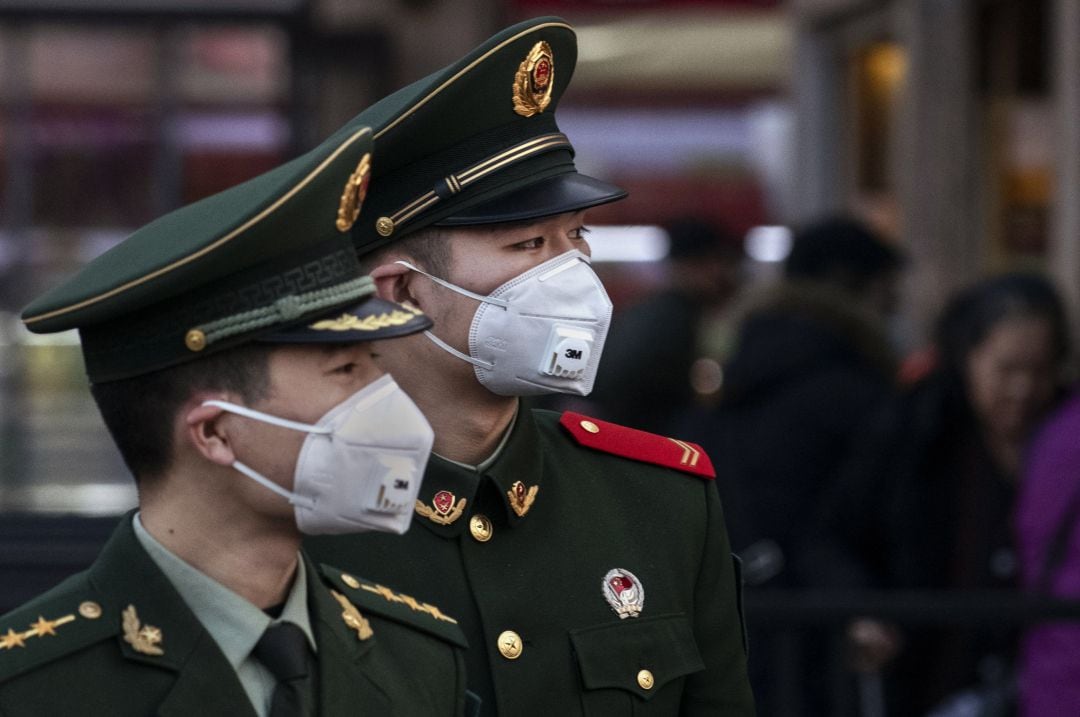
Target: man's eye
column 579, row 233
column 346, row 369
column 535, row 243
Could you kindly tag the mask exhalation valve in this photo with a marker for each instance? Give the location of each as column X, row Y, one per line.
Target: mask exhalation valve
column 567, row 353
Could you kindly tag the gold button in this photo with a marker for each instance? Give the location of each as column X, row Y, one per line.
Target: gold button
column 645, row 680
column 590, row 426
column 480, row 527
column 384, row 226
column 350, row 581
column 90, row 610
column 195, row 340
column 510, row 645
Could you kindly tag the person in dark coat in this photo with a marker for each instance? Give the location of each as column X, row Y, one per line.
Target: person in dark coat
column 811, row 363
column 927, row 499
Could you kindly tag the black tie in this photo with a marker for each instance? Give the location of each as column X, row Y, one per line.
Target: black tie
column 283, row 649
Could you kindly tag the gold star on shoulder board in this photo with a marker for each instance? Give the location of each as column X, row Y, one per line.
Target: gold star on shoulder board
column 43, row 627
column 12, row 639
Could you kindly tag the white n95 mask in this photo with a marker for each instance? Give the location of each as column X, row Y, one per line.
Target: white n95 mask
column 360, row 466
column 541, row 332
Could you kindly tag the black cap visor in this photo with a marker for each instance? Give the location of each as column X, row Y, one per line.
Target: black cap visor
column 570, row 192
column 370, row 320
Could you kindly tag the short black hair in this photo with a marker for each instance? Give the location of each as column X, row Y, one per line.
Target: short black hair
column 841, row 250
column 140, row 411
column 429, row 247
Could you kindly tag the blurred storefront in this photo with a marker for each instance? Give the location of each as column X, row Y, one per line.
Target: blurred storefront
column 951, row 123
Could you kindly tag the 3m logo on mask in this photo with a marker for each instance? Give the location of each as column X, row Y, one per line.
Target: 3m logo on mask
column 568, row 351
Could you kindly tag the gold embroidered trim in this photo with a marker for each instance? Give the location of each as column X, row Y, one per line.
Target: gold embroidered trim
column 352, row 617
column 409, row 600
column 349, row 322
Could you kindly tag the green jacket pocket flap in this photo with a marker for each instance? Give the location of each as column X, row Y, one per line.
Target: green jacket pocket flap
column 639, row 655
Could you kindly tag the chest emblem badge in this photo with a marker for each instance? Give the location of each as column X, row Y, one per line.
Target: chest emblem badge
column 445, row 508
column 521, row 498
column 624, row 592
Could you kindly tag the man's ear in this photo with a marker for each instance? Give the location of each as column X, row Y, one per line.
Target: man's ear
column 207, row 434
column 394, row 282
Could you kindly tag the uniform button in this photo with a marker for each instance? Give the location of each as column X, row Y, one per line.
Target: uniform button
column 590, row 426
column 480, row 527
column 90, row 610
column 510, row 645
column 645, row 680
column 350, row 581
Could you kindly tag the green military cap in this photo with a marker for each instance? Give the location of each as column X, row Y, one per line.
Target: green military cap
column 270, row 259
column 477, row 142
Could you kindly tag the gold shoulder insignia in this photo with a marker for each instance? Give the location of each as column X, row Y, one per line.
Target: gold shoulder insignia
column 142, row 638
column 40, row 628
column 352, row 617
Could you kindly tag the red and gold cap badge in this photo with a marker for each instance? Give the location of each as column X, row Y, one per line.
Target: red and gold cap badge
column 624, row 592
column 534, row 81
column 445, row 508
column 352, row 197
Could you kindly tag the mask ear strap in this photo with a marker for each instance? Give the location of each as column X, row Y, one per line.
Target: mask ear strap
column 267, row 418
column 262, row 480
column 454, row 287
column 454, row 352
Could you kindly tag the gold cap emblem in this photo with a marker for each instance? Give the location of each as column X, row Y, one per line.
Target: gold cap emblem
column 534, row 81
column 352, row 198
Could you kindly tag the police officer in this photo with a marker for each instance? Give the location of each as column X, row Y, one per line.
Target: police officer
column 588, row 562
column 228, row 345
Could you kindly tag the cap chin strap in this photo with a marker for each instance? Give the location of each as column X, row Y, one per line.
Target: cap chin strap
column 502, row 303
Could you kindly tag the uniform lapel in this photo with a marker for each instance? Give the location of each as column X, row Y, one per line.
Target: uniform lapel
column 345, row 685
column 162, row 632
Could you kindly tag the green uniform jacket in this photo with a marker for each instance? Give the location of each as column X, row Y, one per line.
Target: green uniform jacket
column 542, row 575
column 72, row 651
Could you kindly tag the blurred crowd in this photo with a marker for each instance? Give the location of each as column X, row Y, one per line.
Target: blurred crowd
column 844, row 462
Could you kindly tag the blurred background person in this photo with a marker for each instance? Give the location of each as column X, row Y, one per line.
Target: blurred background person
column 646, row 379
column 812, row 362
column 926, row 500
column 1048, row 548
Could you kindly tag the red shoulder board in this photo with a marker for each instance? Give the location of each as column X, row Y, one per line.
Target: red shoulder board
column 638, row 445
